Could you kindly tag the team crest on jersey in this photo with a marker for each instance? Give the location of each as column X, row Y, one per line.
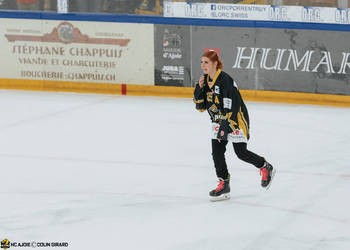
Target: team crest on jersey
column 213, row 108
column 217, row 90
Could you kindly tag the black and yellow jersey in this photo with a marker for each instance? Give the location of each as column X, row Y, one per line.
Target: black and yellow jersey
column 221, row 98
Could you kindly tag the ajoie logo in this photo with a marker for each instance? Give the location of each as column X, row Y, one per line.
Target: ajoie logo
column 5, row 244
column 311, row 14
column 278, row 13
column 342, row 15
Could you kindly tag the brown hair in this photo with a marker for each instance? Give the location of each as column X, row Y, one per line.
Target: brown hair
column 211, row 54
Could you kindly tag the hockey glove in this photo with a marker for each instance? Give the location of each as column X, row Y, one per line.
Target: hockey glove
column 224, row 130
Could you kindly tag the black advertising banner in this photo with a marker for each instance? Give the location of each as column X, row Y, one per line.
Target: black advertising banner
column 310, row 61
column 172, row 55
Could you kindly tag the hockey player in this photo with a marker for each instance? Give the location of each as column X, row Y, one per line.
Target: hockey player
column 218, row 93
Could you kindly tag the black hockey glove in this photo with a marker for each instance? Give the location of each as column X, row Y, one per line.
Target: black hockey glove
column 224, row 130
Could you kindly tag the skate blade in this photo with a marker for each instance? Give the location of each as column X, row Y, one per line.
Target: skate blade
column 220, row 198
column 272, row 175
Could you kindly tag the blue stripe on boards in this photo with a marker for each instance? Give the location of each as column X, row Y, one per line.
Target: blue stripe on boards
column 123, row 18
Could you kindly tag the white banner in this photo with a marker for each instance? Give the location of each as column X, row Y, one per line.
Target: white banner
column 62, row 6
column 257, row 12
column 77, row 51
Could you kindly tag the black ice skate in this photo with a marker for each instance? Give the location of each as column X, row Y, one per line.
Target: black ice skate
column 267, row 172
column 222, row 192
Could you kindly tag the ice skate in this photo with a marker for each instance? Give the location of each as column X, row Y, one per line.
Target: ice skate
column 222, row 192
column 267, row 172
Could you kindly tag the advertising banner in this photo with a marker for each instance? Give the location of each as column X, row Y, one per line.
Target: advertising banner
column 62, row 6
column 77, row 51
column 172, row 55
column 257, row 12
column 274, row 59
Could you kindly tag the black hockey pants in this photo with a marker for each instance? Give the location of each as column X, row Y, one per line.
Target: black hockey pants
column 218, row 153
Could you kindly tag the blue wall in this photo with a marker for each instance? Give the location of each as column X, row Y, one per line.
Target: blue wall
column 172, row 21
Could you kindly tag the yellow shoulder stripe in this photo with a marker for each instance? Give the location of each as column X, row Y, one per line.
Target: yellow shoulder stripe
column 215, row 77
column 198, row 101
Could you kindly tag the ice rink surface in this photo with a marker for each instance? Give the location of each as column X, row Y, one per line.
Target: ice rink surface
column 133, row 173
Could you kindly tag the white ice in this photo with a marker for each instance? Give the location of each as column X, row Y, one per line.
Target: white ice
column 133, row 173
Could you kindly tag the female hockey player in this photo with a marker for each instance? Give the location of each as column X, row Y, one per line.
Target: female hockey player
column 218, row 93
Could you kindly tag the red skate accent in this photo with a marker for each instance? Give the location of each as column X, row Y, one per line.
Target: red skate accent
column 220, row 186
column 264, row 173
